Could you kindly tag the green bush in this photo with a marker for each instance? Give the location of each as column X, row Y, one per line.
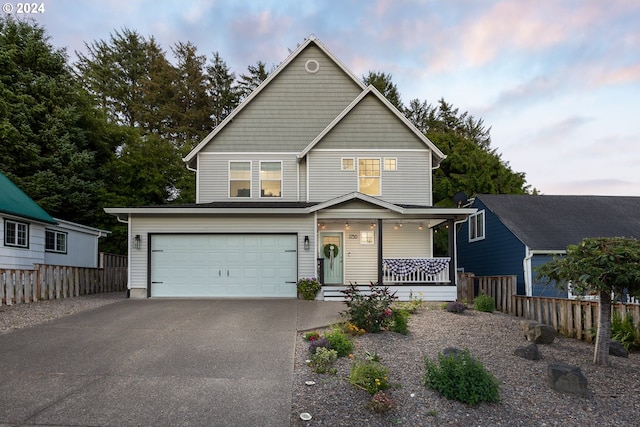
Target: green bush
column 484, row 303
column 624, row 331
column 322, row 360
column 372, row 311
column 340, row 342
column 400, row 322
column 460, row 377
column 370, row 376
column 411, row 306
column 308, row 288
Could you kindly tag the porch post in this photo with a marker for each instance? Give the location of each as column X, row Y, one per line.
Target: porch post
column 452, row 252
column 380, row 278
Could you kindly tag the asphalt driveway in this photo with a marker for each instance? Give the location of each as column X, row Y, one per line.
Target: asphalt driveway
column 158, row 362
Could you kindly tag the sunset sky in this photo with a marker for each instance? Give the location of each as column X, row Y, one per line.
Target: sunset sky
column 557, row 81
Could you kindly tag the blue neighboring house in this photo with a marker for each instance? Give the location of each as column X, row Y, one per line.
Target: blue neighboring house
column 514, row 234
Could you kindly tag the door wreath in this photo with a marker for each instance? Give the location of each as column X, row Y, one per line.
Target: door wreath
column 327, row 250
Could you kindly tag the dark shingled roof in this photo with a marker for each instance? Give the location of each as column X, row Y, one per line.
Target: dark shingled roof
column 14, row 201
column 554, row 222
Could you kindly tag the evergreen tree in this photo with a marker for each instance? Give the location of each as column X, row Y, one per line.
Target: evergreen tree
column 249, row 82
column 385, row 86
column 53, row 144
column 223, row 94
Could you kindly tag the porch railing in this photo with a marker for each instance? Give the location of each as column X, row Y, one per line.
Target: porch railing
column 415, row 270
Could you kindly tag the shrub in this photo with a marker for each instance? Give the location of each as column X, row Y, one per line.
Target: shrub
column 410, row 306
column 339, row 342
column 322, row 361
column 309, row 288
column 460, row 377
column 370, row 312
column 312, row 335
column 624, row 331
column 381, row 402
column 484, row 303
column 321, row 342
column 370, row 376
column 399, row 322
column 455, row 307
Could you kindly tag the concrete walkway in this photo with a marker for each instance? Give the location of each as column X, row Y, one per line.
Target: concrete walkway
column 158, row 362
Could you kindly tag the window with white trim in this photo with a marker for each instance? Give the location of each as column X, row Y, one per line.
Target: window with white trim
column 390, row 164
column 366, row 237
column 348, row 164
column 239, row 179
column 55, row 241
column 476, row 226
column 369, row 176
column 270, row 179
column 16, row 233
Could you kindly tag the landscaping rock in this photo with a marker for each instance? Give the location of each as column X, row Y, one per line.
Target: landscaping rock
column 567, row 379
column 538, row 332
column 617, row 349
column 529, row 352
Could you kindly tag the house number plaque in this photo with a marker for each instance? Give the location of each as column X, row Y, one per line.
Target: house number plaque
column 354, row 237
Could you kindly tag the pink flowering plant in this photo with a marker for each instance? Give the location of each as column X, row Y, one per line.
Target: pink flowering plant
column 371, row 311
column 308, row 288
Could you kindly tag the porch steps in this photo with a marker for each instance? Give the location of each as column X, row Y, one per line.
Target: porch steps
column 403, row 292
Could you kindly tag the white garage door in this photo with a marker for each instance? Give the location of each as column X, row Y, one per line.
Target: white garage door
column 224, row 265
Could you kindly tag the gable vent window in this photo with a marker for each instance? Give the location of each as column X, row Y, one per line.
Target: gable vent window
column 55, row 241
column 16, row 234
column 312, row 66
column 476, row 226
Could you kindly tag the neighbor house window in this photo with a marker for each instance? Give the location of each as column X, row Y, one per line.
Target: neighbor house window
column 55, row 241
column 16, row 234
column 369, row 176
column 348, row 165
column 270, row 179
column 239, row 179
column 366, row 237
column 476, row 226
column 390, row 164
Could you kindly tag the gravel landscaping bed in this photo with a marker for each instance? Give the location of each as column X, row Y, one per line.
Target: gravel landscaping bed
column 527, row 399
column 18, row 316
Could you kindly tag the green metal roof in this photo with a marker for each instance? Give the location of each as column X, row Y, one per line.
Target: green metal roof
column 14, row 201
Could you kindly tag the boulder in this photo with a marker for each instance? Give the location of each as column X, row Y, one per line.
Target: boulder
column 537, row 332
column 529, row 352
column 567, row 379
column 617, row 349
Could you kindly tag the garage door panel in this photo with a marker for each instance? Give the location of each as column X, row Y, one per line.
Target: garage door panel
column 224, row 265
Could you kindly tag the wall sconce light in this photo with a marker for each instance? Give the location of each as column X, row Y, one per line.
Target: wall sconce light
column 306, row 243
column 395, row 227
column 373, row 225
column 420, row 227
column 346, row 225
column 137, row 241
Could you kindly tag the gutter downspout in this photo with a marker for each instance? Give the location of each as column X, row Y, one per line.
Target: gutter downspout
column 526, row 268
column 128, row 251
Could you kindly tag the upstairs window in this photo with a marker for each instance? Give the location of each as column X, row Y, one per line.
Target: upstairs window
column 239, row 179
column 476, row 226
column 55, row 241
column 390, row 164
column 16, row 234
column 270, row 179
column 348, row 164
column 369, row 176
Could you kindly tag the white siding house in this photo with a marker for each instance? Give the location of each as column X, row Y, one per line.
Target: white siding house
column 313, row 175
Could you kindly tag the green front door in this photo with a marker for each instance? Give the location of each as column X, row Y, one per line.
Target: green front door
column 331, row 250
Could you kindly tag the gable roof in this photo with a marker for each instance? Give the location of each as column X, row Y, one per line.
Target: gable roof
column 551, row 222
column 439, row 155
column 356, row 196
column 14, row 201
column 310, row 40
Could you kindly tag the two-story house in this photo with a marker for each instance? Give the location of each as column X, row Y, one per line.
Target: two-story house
column 313, row 175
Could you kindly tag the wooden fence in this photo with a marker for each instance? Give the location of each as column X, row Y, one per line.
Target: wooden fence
column 570, row 317
column 47, row 282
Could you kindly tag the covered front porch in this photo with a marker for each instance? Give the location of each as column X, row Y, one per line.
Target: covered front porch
column 363, row 240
